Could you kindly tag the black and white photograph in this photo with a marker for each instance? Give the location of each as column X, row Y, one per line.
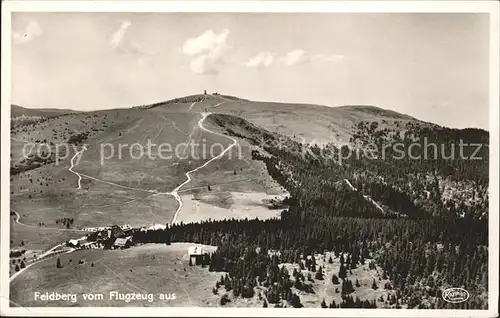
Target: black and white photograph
column 229, row 158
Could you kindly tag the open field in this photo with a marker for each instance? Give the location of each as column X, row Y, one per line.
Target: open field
column 205, row 205
column 36, row 238
column 152, row 268
column 97, row 204
column 331, row 124
column 17, row 111
column 236, row 171
column 162, row 171
column 118, row 191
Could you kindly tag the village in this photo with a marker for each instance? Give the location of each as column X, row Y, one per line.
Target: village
column 110, row 237
column 120, row 237
column 106, row 238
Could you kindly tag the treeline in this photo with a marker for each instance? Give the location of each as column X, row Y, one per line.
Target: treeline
column 24, row 120
column 409, row 251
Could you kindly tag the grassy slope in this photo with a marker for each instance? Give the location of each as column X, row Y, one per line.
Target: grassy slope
column 311, row 124
column 16, row 111
column 49, row 192
column 152, row 268
column 158, row 268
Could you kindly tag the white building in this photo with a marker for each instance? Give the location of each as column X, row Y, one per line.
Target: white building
column 121, row 242
column 195, row 254
column 73, row 243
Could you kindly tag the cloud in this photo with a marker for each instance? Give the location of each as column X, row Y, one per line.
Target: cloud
column 117, row 37
column 296, row 57
column 262, row 59
column 292, row 58
column 127, row 47
column 203, row 64
column 133, row 49
column 207, row 51
column 31, row 31
column 206, row 43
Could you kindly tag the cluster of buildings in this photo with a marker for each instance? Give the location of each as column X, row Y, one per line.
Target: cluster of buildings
column 112, row 237
column 124, row 227
column 120, row 237
column 83, row 244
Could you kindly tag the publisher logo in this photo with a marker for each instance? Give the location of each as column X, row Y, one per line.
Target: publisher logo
column 455, row 295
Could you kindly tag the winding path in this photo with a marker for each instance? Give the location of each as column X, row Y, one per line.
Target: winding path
column 81, row 176
column 73, row 164
column 188, row 174
column 18, row 217
column 39, row 259
column 174, row 193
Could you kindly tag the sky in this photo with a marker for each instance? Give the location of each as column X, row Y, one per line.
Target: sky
column 433, row 66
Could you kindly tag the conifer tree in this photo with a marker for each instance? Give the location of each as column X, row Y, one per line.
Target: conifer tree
column 319, row 274
column 342, row 272
column 335, row 279
column 323, row 304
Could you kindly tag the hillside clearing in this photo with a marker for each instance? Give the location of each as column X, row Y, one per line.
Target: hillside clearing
column 151, row 268
column 203, row 206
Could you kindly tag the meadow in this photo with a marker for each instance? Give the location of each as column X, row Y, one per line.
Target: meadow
column 151, row 268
